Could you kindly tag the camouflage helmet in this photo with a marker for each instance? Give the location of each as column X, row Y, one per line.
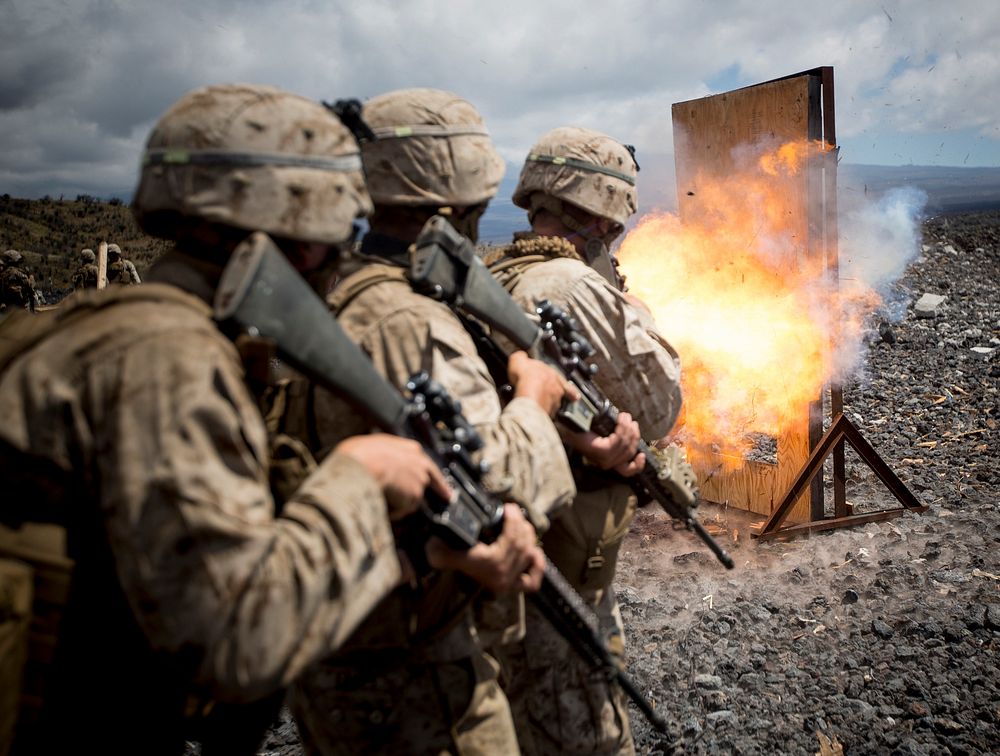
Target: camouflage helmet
column 12, row 257
column 114, row 252
column 87, row 256
column 255, row 158
column 584, row 168
column 431, row 148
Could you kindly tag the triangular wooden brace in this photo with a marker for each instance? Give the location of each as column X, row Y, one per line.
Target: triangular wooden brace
column 841, row 430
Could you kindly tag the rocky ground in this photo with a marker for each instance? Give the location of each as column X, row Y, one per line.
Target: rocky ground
column 881, row 638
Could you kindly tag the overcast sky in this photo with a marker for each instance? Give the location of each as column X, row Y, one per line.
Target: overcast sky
column 83, row 81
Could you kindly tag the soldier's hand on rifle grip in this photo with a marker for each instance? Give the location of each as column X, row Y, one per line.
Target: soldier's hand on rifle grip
column 615, row 452
column 400, row 467
column 513, row 563
column 535, row 380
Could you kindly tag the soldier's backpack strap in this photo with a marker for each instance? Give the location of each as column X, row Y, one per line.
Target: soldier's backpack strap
column 364, row 278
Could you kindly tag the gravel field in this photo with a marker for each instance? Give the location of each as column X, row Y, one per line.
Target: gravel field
column 880, row 638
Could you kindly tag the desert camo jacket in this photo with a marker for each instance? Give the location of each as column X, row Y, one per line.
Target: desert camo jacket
column 558, row 703
column 135, row 409
column 404, row 333
column 636, row 368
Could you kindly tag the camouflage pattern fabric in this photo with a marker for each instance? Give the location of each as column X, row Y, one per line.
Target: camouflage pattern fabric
column 421, row 634
column 85, row 277
column 440, row 708
column 17, row 288
column 132, row 416
column 123, row 272
column 558, row 705
column 583, row 167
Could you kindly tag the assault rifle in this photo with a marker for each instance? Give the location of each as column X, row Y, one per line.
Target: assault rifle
column 261, row 295
column 444, row 265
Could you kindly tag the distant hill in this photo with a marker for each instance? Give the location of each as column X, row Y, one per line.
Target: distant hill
column 50, row 234
column 949, row 190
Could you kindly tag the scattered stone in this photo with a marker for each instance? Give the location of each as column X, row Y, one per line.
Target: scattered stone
column 929, row 305
column 707, row 682
column 693, row 557
column 991, row 618
column 886, row 333
column 947, row 726
column 984, row 353
column 882, row 630
column 691, row 727
column 917, row 709
column 725, row 716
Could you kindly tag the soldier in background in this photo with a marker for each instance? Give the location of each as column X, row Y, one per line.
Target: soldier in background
column 415, row 678
column 126, row 417
column 579, row 189
column 17, row 287
column 85, row 276
column 120, row 269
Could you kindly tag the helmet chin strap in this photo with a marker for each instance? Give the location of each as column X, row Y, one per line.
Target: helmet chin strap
column 595, row 245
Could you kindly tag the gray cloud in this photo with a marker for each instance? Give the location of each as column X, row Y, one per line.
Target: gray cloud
column 82, row 82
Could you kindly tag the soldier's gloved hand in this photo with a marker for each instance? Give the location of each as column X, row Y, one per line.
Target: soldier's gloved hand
column 512, row 563
column 400, row 467
column 615, row 452
column 536, row 380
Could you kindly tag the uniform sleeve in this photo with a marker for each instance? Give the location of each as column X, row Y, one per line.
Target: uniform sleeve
column 521, row 444
column 204, row 561
column 636, row 367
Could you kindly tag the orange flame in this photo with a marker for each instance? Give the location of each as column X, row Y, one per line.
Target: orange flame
column 750, row 310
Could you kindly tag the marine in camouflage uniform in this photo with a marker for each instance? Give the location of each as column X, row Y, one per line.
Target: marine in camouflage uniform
column 17, row 287
column 579, row 188
column 126, row 417
column 120, row 269
column 85, row 277
column 415, row 678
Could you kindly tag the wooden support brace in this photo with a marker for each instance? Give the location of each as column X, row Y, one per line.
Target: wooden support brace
column 840, row 431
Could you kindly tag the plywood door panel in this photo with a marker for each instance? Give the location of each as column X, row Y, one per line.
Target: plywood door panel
column 710, row 135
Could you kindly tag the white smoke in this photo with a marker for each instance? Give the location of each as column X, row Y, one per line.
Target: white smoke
column 879, row 237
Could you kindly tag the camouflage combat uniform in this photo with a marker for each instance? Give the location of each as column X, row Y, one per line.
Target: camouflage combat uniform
column 549, row 685
column 120, row 269
column 85, row 277
column 415, row 679
column 17, row 288
column 133, row 419
column 127, row 417
column 558, row 704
